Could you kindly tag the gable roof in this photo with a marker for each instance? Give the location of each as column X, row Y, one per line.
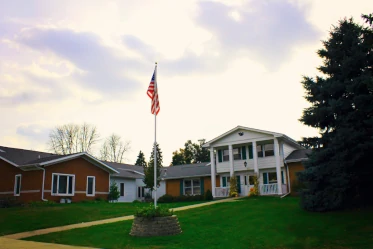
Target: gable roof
column 298, row 155
column 127, row 170
column 187, row 170
column 33, row 160
column 239, row 127
column 21, row 156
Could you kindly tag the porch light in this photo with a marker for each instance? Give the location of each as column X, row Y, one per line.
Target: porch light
column 245, row 163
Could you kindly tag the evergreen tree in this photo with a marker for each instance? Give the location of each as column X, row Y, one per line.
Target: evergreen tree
column 140, row 159
column 149, row 170
column 339, row 172
column 113, row 192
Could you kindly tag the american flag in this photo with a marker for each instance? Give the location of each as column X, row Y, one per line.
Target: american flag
column 153, row 93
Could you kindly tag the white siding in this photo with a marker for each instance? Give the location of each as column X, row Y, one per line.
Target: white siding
column 130, row 189
column 288, row 149
column 161, row 190
column 268, row 162
column 222, row 167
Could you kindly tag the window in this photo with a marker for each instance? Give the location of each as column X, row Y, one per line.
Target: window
column 225, row 155
column 269, row 178
column 63, row 184
column 245, row 180
column 122, row 189
column 140, row 192
column 237, row 153
column 251, row 180
column 91, row 185
column 268, row 150
column 226, row 181
column 259, row 150
column 17, row 185
column 192, row 187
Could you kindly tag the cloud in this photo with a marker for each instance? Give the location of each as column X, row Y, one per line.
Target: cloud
column 33, row 132
column 267, row 31
column 100, row 67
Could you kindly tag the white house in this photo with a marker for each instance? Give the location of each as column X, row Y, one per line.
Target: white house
column 243, row 152
column 130, row 182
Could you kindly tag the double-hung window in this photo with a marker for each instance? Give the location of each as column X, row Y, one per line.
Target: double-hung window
column 237, row 153
column 63, row 184
column 192, row 187
column 225, row 155
column 17, row 185
column 269, row 150
column 91, row 185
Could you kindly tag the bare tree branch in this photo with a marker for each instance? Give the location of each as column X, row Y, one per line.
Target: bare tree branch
column 113, row 149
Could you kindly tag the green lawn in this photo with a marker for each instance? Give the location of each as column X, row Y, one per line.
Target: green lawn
column 265, row 222
column 21, row 219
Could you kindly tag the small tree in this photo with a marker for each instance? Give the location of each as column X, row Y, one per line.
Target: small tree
column 140, row 159
column 233, row 187
column 114, row 192
column 149, row 170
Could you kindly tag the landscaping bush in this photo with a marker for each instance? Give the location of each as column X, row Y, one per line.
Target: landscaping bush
column 136, row 201
column 233, row 187
column 41, row 203
column 100, row 199
column 114, row 192
column 151, row 212
column 166, row 199
column 9, row 202
column 208, row 195
column 182, row 198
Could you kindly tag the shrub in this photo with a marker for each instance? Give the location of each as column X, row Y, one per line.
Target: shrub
column 208, row 195
column 136, row 201
column 233, row 187
column 254, row 191
column 114, row 192
column 100, row 199
column 166, row 199
column 151, row 212
column 41, row 203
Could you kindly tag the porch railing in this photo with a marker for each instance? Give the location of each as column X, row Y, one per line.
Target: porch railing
column 268, row 189
column 221, row 192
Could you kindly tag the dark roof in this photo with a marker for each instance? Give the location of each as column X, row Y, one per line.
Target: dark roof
column 126, row 170
column 187, row 170
column 20, row 156
column 298, row 155
column 46, row 159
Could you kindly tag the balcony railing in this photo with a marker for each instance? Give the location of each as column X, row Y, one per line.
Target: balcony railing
column 221, row 192
column 268, row 189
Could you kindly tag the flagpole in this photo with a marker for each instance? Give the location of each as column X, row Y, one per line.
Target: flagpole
column 155, row 144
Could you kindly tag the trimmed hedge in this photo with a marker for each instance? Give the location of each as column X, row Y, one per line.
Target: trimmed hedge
column 169, row 198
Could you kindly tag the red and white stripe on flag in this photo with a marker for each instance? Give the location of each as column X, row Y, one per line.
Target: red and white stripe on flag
column 153, row 94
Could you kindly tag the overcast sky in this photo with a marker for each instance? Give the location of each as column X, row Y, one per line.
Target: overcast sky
column 220, row 64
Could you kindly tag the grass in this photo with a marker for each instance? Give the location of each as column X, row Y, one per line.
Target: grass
column 264, row 222
column 21, row 219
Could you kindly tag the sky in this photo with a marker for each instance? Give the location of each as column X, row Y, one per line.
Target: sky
column 220, row 64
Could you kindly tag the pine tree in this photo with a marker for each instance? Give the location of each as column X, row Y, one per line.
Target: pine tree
column 140, row 159
column 339, row 172
column 149, row 170
column 113, row 192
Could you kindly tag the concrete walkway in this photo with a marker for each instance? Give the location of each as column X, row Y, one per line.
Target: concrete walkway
column 100, row 222
column 6, row 243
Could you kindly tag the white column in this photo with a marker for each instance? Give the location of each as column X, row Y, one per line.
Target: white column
column 213, row 173
column 255, row 157
column 278, row 167
column 231, row 159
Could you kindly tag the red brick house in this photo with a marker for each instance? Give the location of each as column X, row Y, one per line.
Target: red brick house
column 34, row 176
